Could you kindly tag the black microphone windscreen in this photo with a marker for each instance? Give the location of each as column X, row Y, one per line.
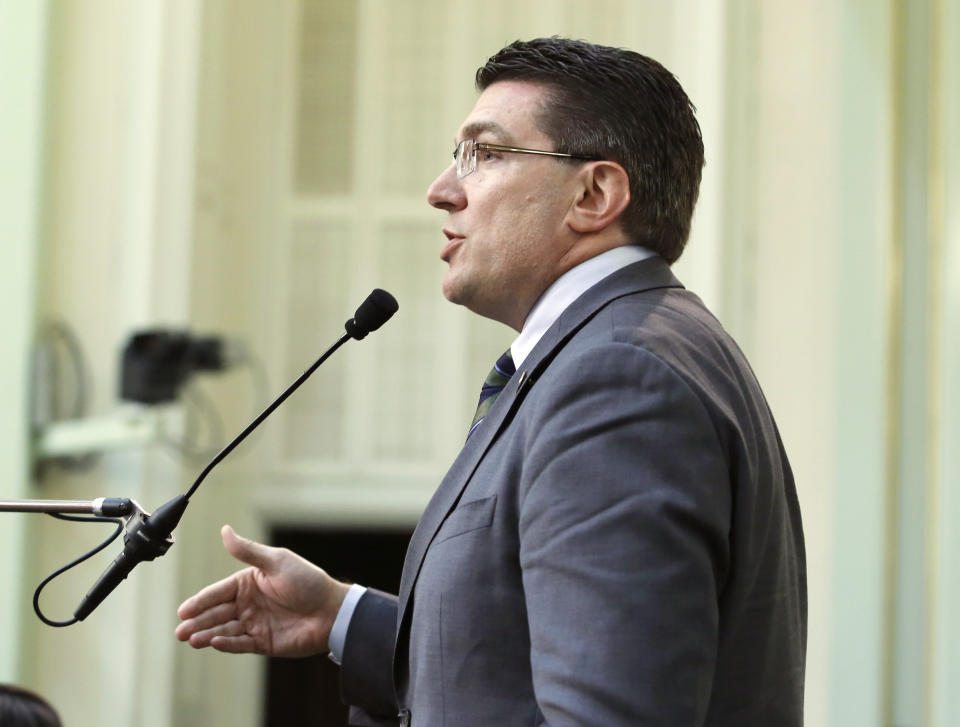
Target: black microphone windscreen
column 372, row 313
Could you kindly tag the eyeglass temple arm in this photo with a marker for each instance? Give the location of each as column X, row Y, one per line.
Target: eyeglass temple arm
column 521, row 150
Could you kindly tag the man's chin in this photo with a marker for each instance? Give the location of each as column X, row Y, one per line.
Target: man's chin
column 452, row 291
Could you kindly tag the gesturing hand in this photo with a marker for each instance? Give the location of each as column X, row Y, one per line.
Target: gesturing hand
column 282, row 605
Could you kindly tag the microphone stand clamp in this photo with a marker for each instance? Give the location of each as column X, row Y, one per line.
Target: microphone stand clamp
column 147, row 537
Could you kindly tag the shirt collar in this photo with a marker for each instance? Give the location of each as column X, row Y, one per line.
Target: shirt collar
column 566, row 289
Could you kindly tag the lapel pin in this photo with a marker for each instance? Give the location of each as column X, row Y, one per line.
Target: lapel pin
column 522, row 379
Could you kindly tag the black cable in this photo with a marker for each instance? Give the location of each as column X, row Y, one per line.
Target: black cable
column 81, row 379
column 265, row 413
column 56, row 338
column 198, row 406
column 259, row 380
column 210, row 415
column 258, row 374
column 206, row 408
column 75, row 518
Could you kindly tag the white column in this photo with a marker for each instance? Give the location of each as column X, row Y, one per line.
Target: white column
column 118, row 212
column 945, row 669
column 154, row 288
column 22, row 54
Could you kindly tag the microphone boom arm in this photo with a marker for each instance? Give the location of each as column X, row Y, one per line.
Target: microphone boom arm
column 101, row 507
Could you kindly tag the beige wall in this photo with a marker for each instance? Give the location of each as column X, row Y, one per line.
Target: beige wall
column 175, row 192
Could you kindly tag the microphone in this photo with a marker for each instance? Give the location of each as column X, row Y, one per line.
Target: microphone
column 372, row 313
column 149, row 536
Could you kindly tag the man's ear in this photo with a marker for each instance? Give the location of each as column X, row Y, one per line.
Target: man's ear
column 604, row 193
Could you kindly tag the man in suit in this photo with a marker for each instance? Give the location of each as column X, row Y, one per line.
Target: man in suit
column 619, row 541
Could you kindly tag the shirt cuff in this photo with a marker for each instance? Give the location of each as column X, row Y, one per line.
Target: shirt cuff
column 338, row 634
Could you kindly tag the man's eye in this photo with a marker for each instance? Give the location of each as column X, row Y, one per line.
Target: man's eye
column 487, row 155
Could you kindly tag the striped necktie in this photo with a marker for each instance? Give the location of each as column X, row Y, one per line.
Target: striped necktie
column 498, row 377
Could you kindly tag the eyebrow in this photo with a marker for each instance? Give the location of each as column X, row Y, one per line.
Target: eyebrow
column 475, row 128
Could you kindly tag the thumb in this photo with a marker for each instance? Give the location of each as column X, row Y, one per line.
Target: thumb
column 246, row 550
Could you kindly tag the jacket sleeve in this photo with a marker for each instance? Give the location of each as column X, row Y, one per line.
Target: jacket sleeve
column 366, row 671
column 624, row 521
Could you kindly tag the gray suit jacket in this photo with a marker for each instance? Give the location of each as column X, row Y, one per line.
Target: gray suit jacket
column 619, row 543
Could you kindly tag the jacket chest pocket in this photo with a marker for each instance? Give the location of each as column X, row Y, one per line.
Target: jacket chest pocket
column 469, row 516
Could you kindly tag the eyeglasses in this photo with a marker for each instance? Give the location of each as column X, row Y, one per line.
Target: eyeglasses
column 465, row 155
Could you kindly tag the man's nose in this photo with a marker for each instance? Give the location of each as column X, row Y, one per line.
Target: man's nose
column 446, row 192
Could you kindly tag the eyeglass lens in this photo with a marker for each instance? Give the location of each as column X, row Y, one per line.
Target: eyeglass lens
column 466, row 158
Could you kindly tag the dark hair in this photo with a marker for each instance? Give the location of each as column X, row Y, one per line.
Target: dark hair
column 622, row 107
column 22, row 708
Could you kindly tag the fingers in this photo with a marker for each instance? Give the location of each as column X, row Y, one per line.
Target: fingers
column 209, row 619
column 246, row 550
column 223, row 591
column 210, row 616
column 210, row 637
column 230, row 637
column 235, row 644
column 220, row 628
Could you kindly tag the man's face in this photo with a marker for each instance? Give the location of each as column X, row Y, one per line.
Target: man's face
column 506, row 236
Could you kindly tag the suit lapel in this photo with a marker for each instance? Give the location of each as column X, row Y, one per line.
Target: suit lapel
column 447, row 494
column 644, row 275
